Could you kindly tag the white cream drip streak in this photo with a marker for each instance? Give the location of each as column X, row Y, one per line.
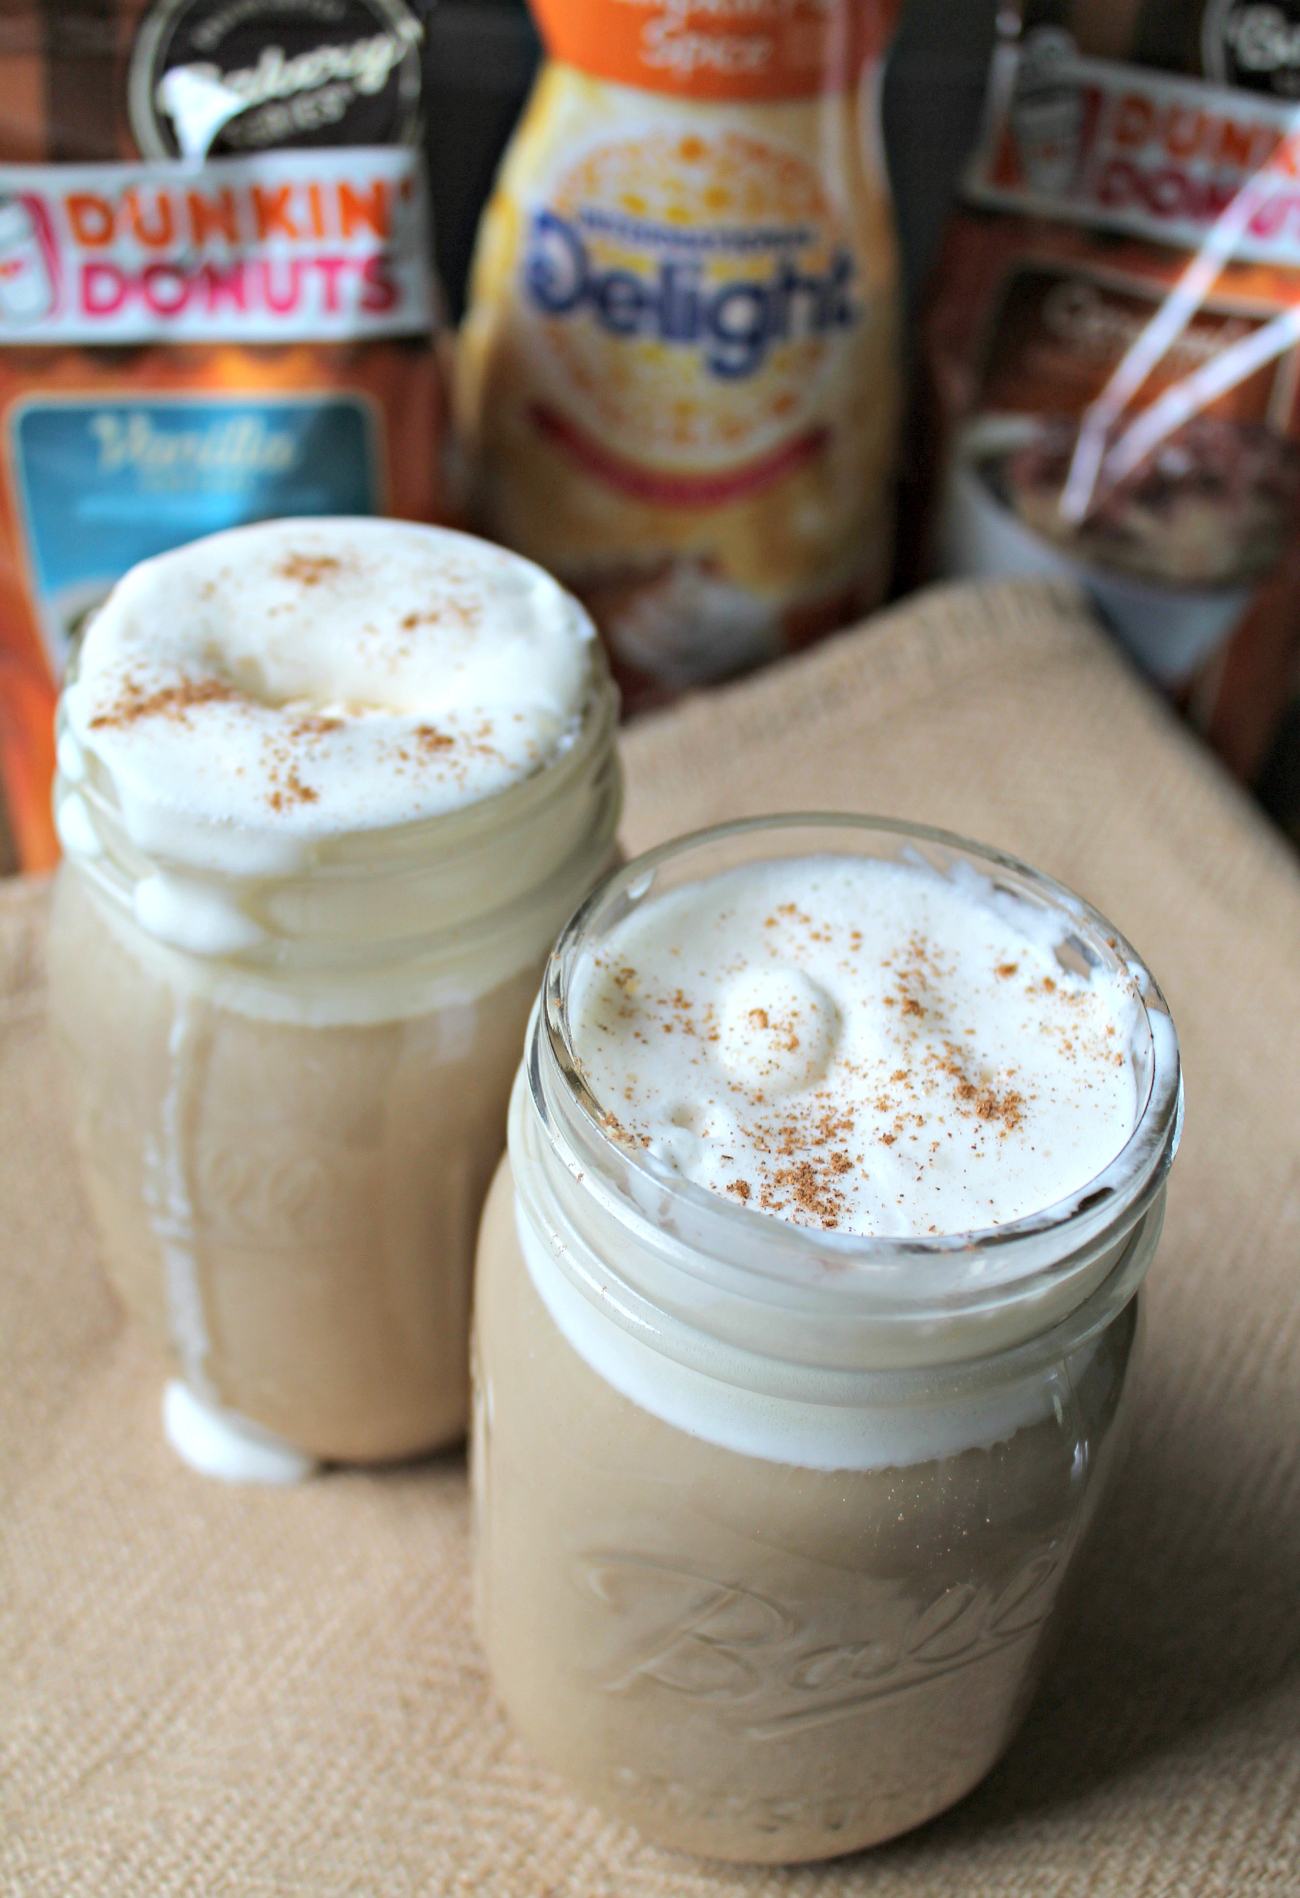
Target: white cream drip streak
column 860, row 1045
column 169, row 1194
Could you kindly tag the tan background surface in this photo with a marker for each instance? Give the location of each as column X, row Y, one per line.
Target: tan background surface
column 206, row 1690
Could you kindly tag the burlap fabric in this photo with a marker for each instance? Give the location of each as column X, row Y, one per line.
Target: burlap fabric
column 209, row 1690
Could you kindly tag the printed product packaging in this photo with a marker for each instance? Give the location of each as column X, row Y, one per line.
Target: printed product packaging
column 215, row 302
column 677, row 381
column 1111, row 352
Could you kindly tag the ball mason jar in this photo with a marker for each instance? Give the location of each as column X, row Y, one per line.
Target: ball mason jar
column 773, row 1523
column 287, row 1146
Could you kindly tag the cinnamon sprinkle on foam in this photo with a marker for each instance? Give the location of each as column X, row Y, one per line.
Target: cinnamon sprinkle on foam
column 858, row 1046
column 298, row 680
column 168, row 701
column 309, row 570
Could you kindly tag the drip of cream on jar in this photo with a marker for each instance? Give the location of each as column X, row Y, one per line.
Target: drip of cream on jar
column 254, row 693
column 859, row 1046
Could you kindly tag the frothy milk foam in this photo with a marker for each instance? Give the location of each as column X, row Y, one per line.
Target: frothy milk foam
column 858, row 1045
column 257, row 692
column 854, row 1046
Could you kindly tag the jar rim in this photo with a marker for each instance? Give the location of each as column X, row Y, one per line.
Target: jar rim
column 371, row 849
column 426, row 896
column 934, row 1266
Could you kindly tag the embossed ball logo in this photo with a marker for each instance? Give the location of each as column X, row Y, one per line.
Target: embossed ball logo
column 766, row 1669
column 689, row 295
column 223, row 77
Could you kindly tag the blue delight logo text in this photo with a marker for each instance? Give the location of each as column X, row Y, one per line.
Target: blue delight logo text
column 733, row 324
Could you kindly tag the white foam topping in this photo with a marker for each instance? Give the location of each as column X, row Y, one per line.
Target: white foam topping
column 715, row 1400
column 786, row 1429
column 860, row 1045
column 263, row 689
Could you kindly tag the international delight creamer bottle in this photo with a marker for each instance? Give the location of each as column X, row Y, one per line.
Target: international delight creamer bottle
column 678, row 377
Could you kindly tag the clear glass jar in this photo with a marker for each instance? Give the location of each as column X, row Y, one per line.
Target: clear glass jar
column 772, row 1523
column 287, row 1145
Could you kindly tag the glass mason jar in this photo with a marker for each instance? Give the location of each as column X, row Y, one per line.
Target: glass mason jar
column 287, row 1145
column 772, row 1522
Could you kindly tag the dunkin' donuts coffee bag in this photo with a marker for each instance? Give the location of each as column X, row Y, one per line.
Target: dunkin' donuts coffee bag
column 216, row 302
column 678, row 378
column 1111, row 353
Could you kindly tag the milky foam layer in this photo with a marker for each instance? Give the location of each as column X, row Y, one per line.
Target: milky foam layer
column 859, row 1045
column 787, row 1429
column 296, row 680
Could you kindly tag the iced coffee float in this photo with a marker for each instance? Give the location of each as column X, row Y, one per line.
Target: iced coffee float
column 326, row 788
column 836, row 1160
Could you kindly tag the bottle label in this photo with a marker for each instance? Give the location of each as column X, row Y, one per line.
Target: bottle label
column 719, row 49
column 678, row 372
column 693, row 296
column 1114, row 340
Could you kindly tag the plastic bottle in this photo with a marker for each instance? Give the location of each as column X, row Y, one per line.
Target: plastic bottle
column 678, row 381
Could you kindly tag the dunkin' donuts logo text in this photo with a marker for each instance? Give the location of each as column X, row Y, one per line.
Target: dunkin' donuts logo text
column 287, row 246
column 674, row 299
column 1122, row 148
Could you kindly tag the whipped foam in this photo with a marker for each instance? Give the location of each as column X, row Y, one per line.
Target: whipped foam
column 688, row 1380
column 261, row 690
column 858, row 1045
column 785, row 1429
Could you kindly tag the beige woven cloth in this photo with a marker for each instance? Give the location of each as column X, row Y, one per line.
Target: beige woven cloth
column 209, row 1690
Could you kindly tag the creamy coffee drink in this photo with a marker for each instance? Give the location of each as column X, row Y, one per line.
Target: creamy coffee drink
column 804, row 1311
column 327, row 789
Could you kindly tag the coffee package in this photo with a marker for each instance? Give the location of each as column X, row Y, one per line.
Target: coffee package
column 1110, row 356
column 216, row 303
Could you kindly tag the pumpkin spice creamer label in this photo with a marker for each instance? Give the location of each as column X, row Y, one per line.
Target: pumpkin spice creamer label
column 677, row 376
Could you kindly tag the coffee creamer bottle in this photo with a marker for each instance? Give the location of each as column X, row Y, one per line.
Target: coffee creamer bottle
column 678, row 380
